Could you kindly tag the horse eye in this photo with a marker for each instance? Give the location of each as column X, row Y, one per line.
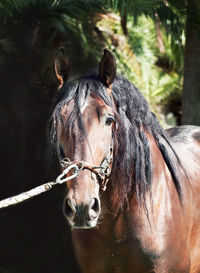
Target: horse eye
column 109, row 121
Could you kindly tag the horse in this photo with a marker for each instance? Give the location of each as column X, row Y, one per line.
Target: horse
column 135, row 204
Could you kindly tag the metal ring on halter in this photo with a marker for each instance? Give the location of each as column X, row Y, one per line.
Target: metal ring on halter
column 65, row 162
column 80, row 164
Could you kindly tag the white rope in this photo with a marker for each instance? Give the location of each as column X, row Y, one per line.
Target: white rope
column 40, row 189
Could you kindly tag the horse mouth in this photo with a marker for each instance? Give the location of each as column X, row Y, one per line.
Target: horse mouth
column 82, row 223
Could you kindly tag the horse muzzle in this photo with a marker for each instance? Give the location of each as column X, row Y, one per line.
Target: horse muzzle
column 83, row 216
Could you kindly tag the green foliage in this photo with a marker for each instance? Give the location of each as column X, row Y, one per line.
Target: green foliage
column 65, row 16
column 31, row 11
column 173, row 26
column 171, row 14
column 134, row 8
column 40, row 27
column 161, row 70
column 137, row 59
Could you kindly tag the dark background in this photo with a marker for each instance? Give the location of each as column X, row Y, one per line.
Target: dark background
column 34, row 236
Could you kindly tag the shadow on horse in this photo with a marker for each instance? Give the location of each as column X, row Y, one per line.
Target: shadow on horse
column 135, row 205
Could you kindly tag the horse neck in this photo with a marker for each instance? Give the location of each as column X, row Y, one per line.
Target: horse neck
column 162, row 190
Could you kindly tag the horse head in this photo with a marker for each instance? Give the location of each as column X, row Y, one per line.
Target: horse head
column 84, row 132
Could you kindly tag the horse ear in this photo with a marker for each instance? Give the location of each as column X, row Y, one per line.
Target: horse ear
column 107, row 68
column 61, row 67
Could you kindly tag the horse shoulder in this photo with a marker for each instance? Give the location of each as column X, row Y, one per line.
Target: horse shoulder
column 165, row 233
column 185, row 132
column 186, row 140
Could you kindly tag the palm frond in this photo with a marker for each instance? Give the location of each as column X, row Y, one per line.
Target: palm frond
column 29, row 11
column 134, row 8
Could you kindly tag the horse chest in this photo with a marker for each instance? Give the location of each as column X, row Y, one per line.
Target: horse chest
column 110, row 249
column 124, row 247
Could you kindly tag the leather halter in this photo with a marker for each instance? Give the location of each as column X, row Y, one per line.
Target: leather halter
column 102, row 172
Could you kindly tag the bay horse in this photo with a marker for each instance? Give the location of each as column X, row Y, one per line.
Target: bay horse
column 135, row 205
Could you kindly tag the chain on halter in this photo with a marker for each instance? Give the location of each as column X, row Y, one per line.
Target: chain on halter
column 102, row 172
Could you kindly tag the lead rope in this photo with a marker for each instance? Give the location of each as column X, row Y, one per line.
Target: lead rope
column 42, row 188
column 77, row 166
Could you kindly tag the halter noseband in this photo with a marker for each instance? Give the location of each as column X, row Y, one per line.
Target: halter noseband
column 102, row 172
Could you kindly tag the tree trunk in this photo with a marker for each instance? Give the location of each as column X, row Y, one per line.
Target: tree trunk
column 191, row 86
column 124, row 22
column 159, row 36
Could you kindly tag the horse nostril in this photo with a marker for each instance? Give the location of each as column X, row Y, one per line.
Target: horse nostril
column 69, row 208
column 94, row 205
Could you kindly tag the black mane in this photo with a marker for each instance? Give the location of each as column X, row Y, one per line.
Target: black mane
column 132, row 168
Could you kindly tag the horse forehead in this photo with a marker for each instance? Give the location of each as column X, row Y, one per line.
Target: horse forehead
column 95, row 105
